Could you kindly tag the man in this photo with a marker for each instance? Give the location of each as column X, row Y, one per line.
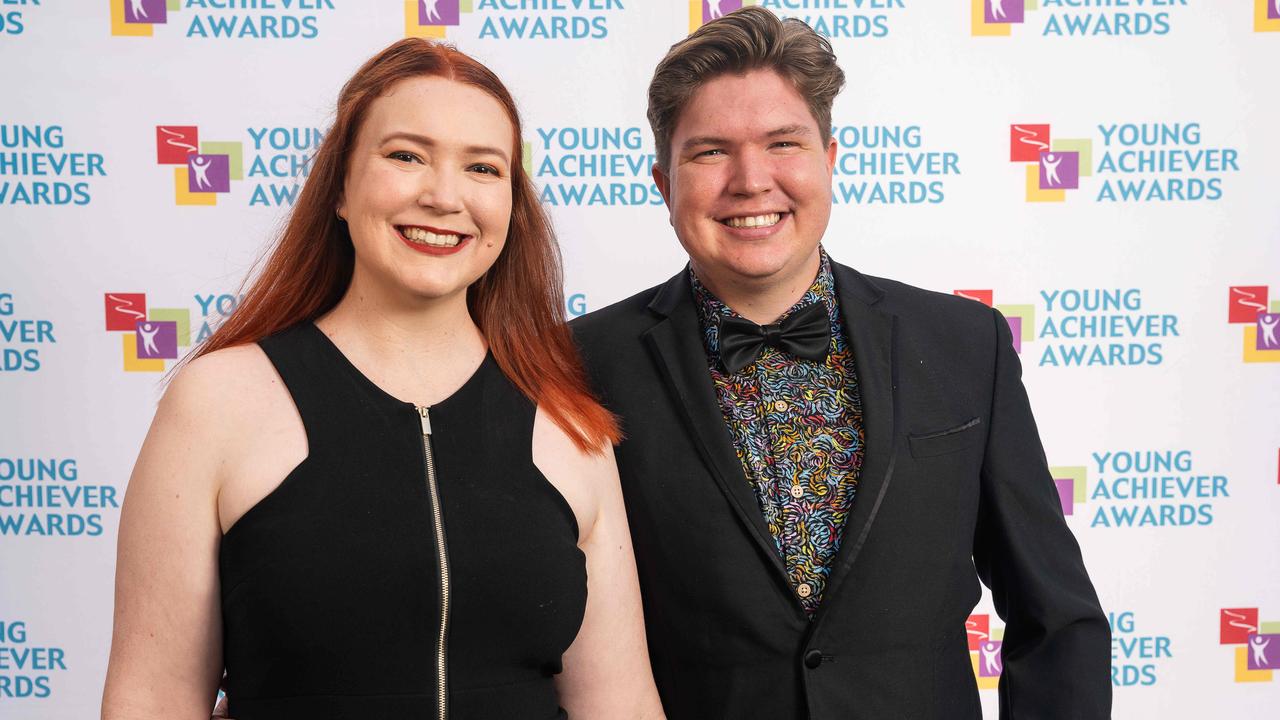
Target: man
column 817, row 461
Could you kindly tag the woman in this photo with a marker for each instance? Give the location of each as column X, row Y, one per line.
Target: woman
column 382, row 488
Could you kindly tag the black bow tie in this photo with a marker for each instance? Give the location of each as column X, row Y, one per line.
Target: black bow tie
column 806, row 333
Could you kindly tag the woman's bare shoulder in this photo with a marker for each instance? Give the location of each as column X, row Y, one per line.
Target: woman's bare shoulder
column 234, row 421
column 226, row 377
column 225, row 392
column 557, row 447
column 582, row 477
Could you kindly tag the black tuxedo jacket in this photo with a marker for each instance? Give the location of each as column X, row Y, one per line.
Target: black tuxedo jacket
column 954, row 486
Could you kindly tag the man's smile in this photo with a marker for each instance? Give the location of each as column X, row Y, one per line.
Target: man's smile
column 753, row 221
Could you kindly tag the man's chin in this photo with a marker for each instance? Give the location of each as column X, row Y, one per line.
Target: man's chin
column 774, row 267
column 757, row 275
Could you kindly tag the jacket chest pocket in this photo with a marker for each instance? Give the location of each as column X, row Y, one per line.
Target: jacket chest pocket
column 943, row 442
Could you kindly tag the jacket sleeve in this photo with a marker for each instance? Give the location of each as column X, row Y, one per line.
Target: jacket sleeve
column 1056, row 649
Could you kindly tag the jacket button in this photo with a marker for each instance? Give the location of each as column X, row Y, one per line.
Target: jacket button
column 812, row 659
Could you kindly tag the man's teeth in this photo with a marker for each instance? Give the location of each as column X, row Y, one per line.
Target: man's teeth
column 754, row 220
column 419, row 235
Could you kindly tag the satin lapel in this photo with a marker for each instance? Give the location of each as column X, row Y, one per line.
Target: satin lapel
column 871, row 332
column 676, row 342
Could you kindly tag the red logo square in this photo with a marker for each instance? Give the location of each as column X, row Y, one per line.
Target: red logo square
column 986, row 297
column 175, row 142
column 1245, row 302
column 1236, row 624
column 1026, row 142
column 124, row 310
column 978, row 628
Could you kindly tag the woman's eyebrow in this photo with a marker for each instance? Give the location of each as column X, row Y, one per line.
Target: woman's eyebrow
column 429, row 142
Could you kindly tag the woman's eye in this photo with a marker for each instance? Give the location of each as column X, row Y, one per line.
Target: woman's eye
column 403, row 156
column 485, row 169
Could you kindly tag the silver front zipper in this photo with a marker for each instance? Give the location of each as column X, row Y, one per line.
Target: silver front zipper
column 437, row 519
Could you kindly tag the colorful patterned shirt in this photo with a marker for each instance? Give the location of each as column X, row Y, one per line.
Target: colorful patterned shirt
column 797, row 428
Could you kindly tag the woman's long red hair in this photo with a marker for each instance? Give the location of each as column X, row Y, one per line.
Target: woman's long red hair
column 518, row 304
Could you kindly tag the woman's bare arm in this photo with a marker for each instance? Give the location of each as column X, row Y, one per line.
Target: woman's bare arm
column 606, row 670
column 166, row 649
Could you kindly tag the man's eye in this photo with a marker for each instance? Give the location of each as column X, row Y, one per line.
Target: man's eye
column 786, row 144
column 709, row 153
column 403, row 156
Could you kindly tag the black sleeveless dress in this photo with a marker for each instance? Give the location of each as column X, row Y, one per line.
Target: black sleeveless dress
column 395, row 573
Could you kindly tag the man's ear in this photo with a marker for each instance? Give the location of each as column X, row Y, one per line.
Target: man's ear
column 663, row 181
column 832, row 150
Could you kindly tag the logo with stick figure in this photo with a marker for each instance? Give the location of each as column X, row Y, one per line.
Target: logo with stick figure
column 138, row 18
column 432, row 18
column 996, row 18
column 1250, row 306
column 149, row 336
column 203, row 169
column 1053, row 165
column 1257, row 644
column 985, row 650
column 702, row 12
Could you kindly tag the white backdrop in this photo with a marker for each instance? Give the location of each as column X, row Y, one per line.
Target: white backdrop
column 1138, row 292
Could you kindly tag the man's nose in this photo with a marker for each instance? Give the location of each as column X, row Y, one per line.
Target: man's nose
column 441, row 192
column 752, row 174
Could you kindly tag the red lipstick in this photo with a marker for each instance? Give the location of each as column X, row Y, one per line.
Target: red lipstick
column 426, row 249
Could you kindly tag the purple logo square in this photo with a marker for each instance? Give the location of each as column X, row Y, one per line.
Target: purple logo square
column 990, row 664
column 1066, row 494
column 1015, row 328
column 1264, row 651
column 1003, row 11
column 439, row 12
column 146, row 11
column 1059, row 170
column 157, row 339
column 1268, row 331
column 1273, row 9
column 209, row 173
column 712, row 9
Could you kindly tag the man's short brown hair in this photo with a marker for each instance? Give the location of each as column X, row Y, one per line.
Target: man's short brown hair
column 748, row 39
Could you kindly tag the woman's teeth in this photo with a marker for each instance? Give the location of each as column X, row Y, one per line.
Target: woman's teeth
column 754, row 221
column 418, row 235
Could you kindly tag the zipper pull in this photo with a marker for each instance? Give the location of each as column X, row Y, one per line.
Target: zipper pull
column 426, row 420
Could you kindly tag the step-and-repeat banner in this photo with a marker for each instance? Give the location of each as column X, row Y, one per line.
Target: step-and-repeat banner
column 1105, row 173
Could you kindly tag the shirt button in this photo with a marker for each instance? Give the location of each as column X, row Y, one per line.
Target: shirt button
column 812, row 659
column 804, row 590
column 797, row 492
column 780, row 405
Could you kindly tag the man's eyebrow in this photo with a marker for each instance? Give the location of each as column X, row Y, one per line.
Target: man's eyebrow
column 703, row 140
column 789, row 130
column 429, row 142
column 785, row 130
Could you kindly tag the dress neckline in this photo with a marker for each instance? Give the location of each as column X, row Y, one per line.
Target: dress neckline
column 363, row 380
